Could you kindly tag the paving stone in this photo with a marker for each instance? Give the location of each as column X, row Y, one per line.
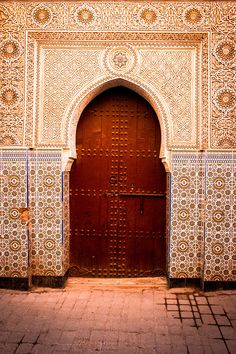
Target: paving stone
column 217, row 310
column 201, row 300
column 228, row 332
column 15, row 337
column 171, row 301
column 204, row 309
column 188, row 322
column 231, row 344
column 42, row 349
column 172, row 308
column 208, row 319
column 179, row 349
column 31, row 337
column 186, row 314
column 196, row 349
column 9, row 348
column 222, row 320
column 24, row 348
column 218, row 346
column 211, row 331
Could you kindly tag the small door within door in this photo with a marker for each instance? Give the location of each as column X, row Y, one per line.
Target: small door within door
column 118, row 190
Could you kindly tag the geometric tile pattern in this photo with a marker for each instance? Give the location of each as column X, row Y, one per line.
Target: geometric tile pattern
column 34, row 210
column 66, row 222
column 45, row 203
column 202, row 224
column 14, row 237
column 220, row 241
column 186, row 234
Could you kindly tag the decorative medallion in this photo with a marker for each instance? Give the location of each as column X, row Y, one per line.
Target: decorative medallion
column 10, row 50
column 219, row 183
column 120, row 59
column 85, row 15
column 15, row 245
column 14, row 181
column 183, row 214
column 217, row 248
column 181, row 275
column 225, row 99
column 49, row 244
column 225, row 51
column 49, row 213
column 218, row 216
column 4, row 14
column 193, row 16
column 8, row 139
column 14, row 213
column 42, row 15
column 148, row 16
column 184, row 182
column 9, row 97
column 217, row 278
column 49, row 181
column 49, row 273
column 182, row 246
column 15, row 274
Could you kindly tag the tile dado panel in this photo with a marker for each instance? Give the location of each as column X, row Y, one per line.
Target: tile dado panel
column 14, row 236
column 202, row 218
column 34, row 235
column 220, row 235
column 187, row 203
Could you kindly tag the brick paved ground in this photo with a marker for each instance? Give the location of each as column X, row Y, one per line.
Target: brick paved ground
column 116, row 318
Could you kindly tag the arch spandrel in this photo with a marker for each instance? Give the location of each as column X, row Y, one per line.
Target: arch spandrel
column 82, row 99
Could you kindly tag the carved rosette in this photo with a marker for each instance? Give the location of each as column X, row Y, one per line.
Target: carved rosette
column 85, row 15
column 120, row 60
column 42, row 15
column 225, row 99
column 9, row 97
column 10, row 50
column 193, row 16
column 148, row 16
column 225, row 51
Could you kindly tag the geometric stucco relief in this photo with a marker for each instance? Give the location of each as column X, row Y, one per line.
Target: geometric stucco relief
column 165, row 65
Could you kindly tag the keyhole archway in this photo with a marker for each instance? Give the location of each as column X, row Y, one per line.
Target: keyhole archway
column 118, row 189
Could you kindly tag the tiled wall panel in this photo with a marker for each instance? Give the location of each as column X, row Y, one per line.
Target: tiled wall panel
column 66, row 222
column 45, row 195
column 202, row 224
column 186, row 228
column 220, row 240
column 13, row 226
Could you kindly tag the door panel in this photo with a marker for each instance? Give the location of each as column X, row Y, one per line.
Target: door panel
column 118, row 188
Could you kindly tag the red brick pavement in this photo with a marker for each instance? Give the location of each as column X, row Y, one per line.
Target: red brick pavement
column 117, row 316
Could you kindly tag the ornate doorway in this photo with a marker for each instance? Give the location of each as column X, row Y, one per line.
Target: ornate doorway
column 118, row 189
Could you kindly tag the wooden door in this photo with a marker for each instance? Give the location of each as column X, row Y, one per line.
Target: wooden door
column 117, row 189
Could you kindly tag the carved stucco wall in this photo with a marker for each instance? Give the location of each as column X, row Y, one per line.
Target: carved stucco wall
column 109, row 25
column 55, row 58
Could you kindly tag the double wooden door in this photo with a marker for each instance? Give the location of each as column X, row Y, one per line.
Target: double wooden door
column 117, row 190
